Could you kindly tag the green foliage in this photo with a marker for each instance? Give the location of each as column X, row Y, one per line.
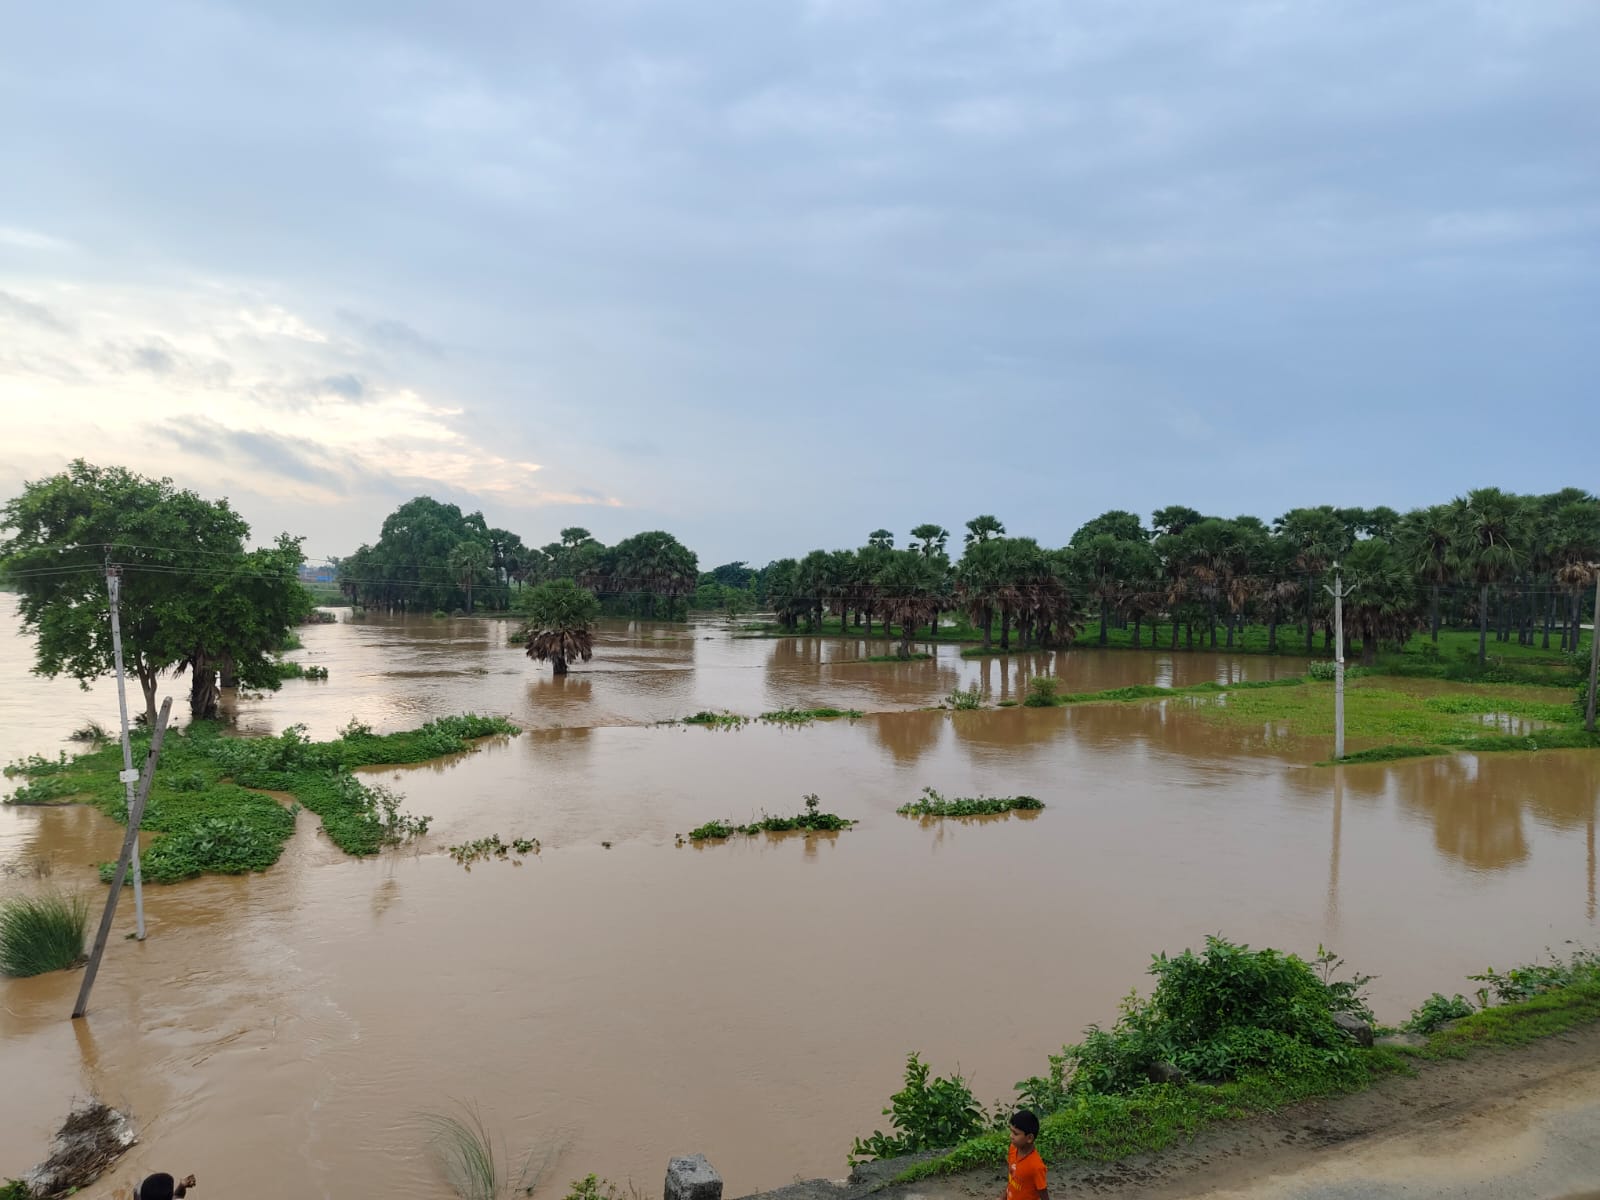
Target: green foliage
column 558, row 604
column 925, row 1114
column 1435, row 1011
column 713, row 720
column 91, row 731
column 1322, row 670
column 912, row 656
column 1042, row 692
column 965, row 699
column 804, row 716
column 1389, row 753
column 470, row 1162
column 1522, row 983
column 207, row 796
column 812, row 820
column 15, row 1189
column 41, row 933
column 932, row 804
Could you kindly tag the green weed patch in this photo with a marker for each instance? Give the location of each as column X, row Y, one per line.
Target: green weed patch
column 932, row 804
column 812, row 820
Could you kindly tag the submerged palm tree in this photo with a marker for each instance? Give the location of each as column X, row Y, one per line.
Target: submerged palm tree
column 558, row 623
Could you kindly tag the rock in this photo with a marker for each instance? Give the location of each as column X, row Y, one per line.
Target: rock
column 691, row 1177
column 1354, row 1026
column 1162, row 1072
column 91, row 1139
column 1414, row 1040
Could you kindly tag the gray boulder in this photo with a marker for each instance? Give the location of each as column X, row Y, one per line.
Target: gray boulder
column 691, row 1177
column 1355, row 1027
column 1163, row 1072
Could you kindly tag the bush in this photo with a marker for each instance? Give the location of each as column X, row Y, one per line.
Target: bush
column 933, row 804
column 1523, row 983
column 1043, row 692
column 39, row 934
column 1435, row 1011
column 925, row 1114
column 1323, row 671
column 966, row 699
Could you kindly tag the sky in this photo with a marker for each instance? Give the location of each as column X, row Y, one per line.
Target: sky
column 772, row 274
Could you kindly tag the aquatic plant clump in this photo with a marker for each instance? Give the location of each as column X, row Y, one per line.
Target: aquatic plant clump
column 812, row 820
column 42, row 933
column 804, row 716
column 714, row 720
column 467, row 853
column 932, row 804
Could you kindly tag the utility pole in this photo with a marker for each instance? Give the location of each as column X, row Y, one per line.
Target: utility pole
column 128, row 776
column 1594, row 650
column 1338, row 591
column 130, row 850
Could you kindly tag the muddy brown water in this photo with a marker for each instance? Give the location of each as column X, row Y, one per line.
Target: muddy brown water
column 753, row 1000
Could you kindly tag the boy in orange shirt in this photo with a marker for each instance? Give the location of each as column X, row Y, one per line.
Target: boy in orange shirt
column 1025, row 1173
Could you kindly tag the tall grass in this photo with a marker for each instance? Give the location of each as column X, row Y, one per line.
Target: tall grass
column 43, row 933
column 472, row 1165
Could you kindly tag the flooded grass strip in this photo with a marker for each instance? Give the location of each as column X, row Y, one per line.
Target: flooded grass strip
column 915, row 656
column 932, row 804
column 208, row 797
column 715, row 720
column 1263, row 1030
column 812, row 820
column 480, row 849
column 804, row 716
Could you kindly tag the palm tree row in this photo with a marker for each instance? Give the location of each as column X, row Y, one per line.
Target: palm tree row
column 1517, row 565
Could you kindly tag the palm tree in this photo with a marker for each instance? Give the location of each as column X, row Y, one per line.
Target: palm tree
column 984, row 528
column 558, row 622
column 911, row 593
column 468, row 561
column 1382, row 602
column 880, row 539
column 1427, row 544
column 978, row 585
column 1575, row 548
column 930, row 539
column 1489, row 537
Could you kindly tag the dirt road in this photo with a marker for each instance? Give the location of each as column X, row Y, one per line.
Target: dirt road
column 1521, row 1123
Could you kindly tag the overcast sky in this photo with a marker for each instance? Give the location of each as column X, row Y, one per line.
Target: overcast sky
column 772, row 274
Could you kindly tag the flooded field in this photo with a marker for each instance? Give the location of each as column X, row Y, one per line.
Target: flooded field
column 752, row 1000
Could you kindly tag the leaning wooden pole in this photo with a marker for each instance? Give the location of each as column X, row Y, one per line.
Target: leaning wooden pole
column 130, row 839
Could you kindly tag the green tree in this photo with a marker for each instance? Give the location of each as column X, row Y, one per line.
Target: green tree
column 880, row 539
column 910, row 586
column 1426, row 541
column 1490, row 529
column 558, row 622
column 173, row 548
column 1383, row 605
column 649, row 574
column 469, row 560
column 929, row 540
column 984, row 528
column 238, row 619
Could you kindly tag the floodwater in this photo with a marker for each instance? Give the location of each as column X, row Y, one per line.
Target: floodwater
column 753, row 1000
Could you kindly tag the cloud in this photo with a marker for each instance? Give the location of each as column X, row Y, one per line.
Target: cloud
column 347, row 386
column 390, row 334
column 30, row 239
column 21, row 309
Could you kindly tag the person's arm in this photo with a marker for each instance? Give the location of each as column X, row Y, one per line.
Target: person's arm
column 184, row 1185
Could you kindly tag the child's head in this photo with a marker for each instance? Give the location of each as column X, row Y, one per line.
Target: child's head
column 157, row 1187
column 1024, row 1129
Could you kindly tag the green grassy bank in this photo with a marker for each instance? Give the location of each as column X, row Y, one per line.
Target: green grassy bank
column 210, row 802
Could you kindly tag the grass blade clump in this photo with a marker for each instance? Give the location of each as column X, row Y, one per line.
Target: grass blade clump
column 804, row 716
column 471, row 1164
column 42, row 933
column 812, row 820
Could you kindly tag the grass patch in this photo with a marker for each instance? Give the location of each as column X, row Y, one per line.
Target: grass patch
column 932, row 804
column 207, row 798
column 812, row 820
column 472, row 1164
column 42, row 933
column 467, row 853
column 804, row 716
column 915, row 656
column 1385, row 754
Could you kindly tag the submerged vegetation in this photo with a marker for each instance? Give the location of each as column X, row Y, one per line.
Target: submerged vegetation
column 1227, row 1033
column 208, row 800
column 812, row 820
column 467, row 853
column 472, row 1164
column 932, row 804
column 42, row 933
column 804, row 716
column 715, row 720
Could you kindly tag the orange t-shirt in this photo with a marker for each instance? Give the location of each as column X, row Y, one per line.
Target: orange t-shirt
column 1025, row 1179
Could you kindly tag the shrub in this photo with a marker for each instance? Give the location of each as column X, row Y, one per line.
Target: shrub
column 932, row 804
column 1435, row 1011
column 1522, row 983
column 43, row 933
column 1323, row 671
column 926, row 1114
column 966, row 699
column 1043, row 692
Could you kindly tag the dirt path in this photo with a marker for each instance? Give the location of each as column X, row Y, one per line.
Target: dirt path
column 1519, row 1123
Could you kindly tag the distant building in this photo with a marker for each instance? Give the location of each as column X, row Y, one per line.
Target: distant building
column 317, row 574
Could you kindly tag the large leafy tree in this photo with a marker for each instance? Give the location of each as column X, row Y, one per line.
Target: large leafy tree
column 558, row 622
column 186, row 587
column 650, row 574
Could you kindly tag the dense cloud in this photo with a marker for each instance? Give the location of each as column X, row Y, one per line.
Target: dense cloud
column 774, row 274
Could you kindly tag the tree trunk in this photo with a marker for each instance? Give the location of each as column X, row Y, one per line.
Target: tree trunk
column 1272, row 631
column 230, row 672
column 1174, row 631
column 1005, row 630
column 558, row 663
column 988, row 628
column 1549, row 620
column 147, row 684
column 1434, row 615
column 1369, row 650
column 1188, row 635
column 203, row 692
column 1309, row 649
column 1104, row 632
column 1232, row 620
column 1136, row 622
column 1483, row 624
column 469, row 597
